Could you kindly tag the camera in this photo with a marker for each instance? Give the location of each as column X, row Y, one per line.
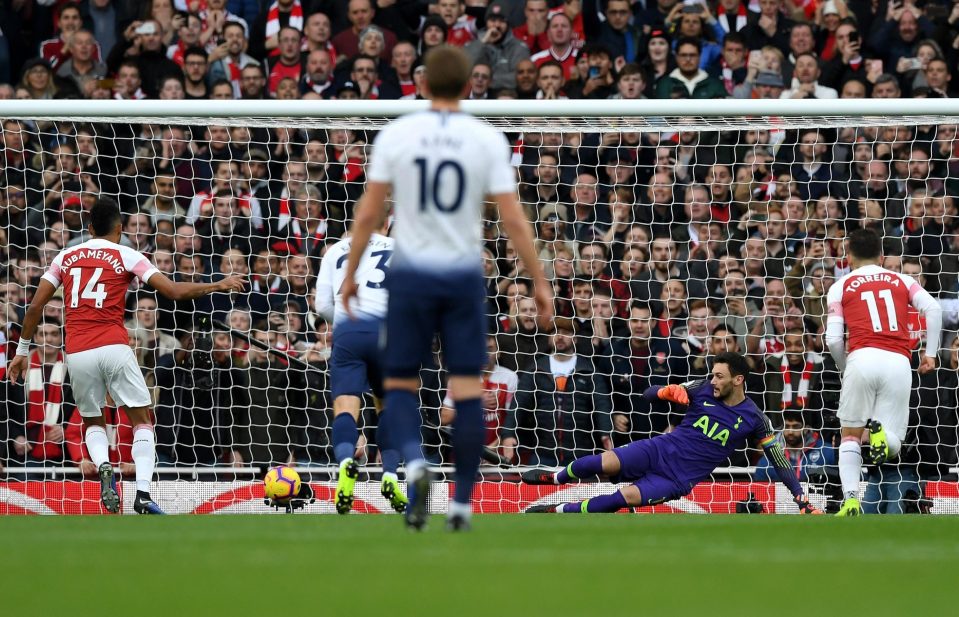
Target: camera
column 201, row 356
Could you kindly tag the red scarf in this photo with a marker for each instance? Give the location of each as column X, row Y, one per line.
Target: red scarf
column 727, row 75
column 119, row 436
column 802, row 393
column 44, row 401
column 273, row 20
column 516, row 159
column 3, row 355
column 175, row 53
column 234, row 71
column 724, row 18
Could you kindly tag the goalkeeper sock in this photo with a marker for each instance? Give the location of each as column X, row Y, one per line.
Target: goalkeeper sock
column 850, row 466
column 580, row 469
column 97, row 445
column 384, row 439
column 604, row 503
column 468, row 433
column 345, row 435
column 405, row 423
column 144, row 455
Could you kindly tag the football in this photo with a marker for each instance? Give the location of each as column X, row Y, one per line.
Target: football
column 281, row 483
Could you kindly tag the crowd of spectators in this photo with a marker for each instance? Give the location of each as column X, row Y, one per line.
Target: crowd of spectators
column 664, row 247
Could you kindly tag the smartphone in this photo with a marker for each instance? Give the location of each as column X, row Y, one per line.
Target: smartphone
column 914, row 64
column 693, row 8
column 593, row 72
column 854, row 36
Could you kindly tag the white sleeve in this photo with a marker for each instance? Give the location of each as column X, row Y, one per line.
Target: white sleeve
column 137, row 264
column 380, row 168
column 325, row 301
column 836, row 325
column 930, row 309
column 54, row 274
column 502, row 175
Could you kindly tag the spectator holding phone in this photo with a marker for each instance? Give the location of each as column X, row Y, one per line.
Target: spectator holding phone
column 847, row 61
column 899, row 36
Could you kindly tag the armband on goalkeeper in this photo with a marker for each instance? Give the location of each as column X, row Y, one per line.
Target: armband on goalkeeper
column 674, row 393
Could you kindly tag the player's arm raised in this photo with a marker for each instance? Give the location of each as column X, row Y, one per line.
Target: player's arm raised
column 674, row 392
column 784, row 470
column 368, row 218
column 19, row 364
column 175, row 290
column 520, row 232
column 923, row 301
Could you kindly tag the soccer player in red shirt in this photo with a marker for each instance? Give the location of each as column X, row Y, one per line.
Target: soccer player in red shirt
column 96, row 276
column 871, row 304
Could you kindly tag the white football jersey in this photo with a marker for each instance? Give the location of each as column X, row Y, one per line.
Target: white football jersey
column 441, row 166
column 371, row 297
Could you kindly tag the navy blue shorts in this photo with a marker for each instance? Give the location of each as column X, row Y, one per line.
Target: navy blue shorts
column 424, row 303
column 355, row 366
column 640, row 464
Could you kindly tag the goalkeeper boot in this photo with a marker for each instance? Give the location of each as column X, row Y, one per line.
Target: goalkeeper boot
column 390, row 489
column 458, row 522
column 541, row 509
column 144, row 504
column 850, row 507
column 109, row 496
column 878, row 445
column 344, row 486
column 417, row 512
column 539, row 476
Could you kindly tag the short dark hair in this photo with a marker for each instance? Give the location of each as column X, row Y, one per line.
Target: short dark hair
column 196, row 50
column 793, row 415
column 865, row 243
column 448, row 70
column 735, row 37
column 736, row 362
column 690, row 40
column 104, row 216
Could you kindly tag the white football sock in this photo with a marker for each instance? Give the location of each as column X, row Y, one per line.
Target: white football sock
column 850, row 467
column 144, row 455
column 895, row 444
column 387, row 475
column 98, row 446
column 460, row 509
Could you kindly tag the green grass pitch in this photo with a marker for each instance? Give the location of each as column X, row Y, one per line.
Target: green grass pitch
column 509, row 565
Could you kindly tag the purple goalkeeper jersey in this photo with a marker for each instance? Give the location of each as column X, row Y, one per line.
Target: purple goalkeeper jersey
column 709, row 433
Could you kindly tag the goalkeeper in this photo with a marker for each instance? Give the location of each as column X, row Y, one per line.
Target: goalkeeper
column 719, row 420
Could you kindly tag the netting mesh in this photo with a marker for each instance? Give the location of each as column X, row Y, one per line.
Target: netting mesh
column 667, row 241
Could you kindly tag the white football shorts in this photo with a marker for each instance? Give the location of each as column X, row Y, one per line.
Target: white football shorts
column 876, row 385
column 111, row 368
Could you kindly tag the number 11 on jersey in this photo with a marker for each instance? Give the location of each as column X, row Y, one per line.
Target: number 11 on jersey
column 885, row 295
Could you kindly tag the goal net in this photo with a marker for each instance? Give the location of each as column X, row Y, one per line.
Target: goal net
column 670, row 233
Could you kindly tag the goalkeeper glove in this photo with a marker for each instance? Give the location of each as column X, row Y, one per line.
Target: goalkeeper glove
column 805, row 507
column 674, row 393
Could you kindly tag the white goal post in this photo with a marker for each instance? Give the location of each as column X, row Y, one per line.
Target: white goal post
column 749, row 199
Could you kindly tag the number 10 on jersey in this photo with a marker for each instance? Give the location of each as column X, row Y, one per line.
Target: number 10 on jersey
column 431, row 181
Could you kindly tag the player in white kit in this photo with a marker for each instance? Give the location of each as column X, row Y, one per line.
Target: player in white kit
column 872, row 304
column 96, row 276
column 441, row 165
column 355, row 364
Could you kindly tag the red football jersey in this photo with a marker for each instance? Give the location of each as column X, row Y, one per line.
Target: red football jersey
column 875, row 303
column 96, row 276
